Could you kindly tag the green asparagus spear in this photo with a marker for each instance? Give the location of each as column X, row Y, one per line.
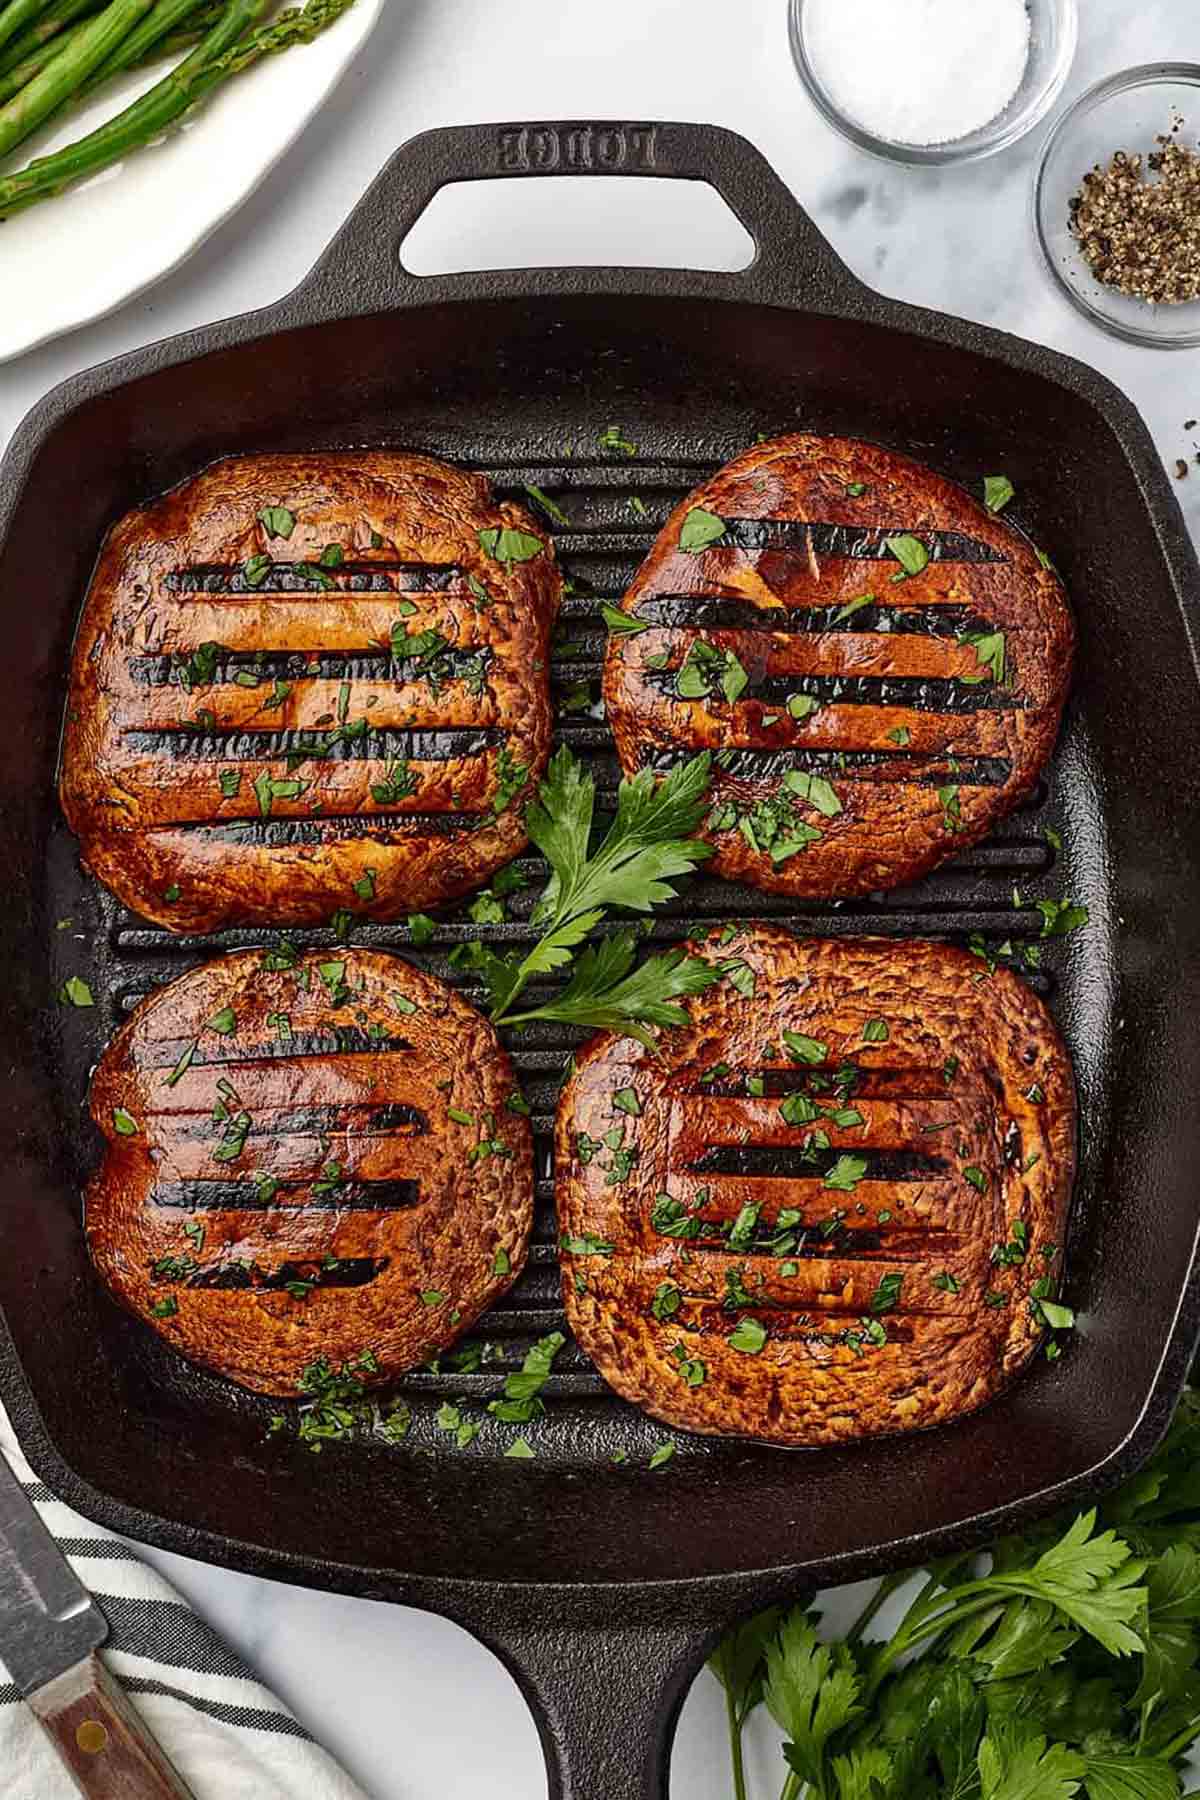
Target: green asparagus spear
column 174, row 95
column 57, row 16
column 163, row 17
column 17, row 15
column 72, row 66
column 14, row 78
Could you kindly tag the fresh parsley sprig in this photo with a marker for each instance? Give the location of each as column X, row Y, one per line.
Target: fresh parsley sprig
column 1067, row 1664
column 649, row 844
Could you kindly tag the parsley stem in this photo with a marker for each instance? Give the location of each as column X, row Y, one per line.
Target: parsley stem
column 887, row 1587
column 735, row 1746
column 791, row 1787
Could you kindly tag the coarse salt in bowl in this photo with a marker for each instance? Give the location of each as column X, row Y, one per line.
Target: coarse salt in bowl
column 934, row 81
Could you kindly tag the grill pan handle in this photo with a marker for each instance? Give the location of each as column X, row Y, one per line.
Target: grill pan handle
column 794, row 265
column 605, row 1696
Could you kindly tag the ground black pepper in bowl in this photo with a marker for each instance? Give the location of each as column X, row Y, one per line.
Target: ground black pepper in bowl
column 1137, row 222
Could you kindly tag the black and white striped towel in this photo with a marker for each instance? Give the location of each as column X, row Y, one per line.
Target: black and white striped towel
column 229, row 1738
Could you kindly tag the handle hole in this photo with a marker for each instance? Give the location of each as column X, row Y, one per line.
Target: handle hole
column 592, row 221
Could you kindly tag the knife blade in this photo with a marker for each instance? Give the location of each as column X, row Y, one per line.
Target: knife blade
column 48, row 1620
column 50, row 1630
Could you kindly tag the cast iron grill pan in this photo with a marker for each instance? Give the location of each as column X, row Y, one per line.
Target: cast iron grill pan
column 603, row 1585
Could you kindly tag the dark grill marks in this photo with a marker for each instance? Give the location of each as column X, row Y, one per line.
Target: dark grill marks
column 296, row 578
column 338, row 1040
column 274, row 746
column 320, row 1121
column 681, row 611
column 349, row 1272
column 249, row 1196
column 829, row 1085
column 380, row 827
column 919, row 693
column 317, row 665
column 798, row 1164
column 923, row 768
column 853, row 542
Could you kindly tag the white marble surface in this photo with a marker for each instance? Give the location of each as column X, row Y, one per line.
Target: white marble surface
column 416, row 1710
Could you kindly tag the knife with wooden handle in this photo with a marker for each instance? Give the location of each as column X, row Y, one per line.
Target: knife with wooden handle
column 50, row 1631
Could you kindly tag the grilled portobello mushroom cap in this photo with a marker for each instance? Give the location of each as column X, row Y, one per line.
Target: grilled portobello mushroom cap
column 835, row 1198
column 303, row 683
column 868, row 721
column 308, row 1157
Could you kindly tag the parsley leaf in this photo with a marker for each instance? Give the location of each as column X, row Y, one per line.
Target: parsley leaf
column 504, row 544
column 279, row 522
column 909, row 552
column 699, row 530
column 998, row 490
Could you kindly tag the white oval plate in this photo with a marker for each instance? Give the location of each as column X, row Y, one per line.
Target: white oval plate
column 77, row 257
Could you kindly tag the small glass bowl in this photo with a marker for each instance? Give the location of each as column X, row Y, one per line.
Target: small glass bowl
column 1125, row 112
column 1053, row 36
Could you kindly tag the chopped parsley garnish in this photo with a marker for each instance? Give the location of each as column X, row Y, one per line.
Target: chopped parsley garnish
column 1061, row 916
column 501, row 1262
column 522, row 1402
column 279, row 521
column 856, row 489
column 511, row 777
column 748, row 1336
column 504, row 544
column 798, row 1109
column 909, row 552
column 268, row 789
column 802, row 706
column 255, row 570
column 662, row 1455
column 875, row 1031
column 551, row 509
column 852, row 606
column 124, row 1124
column 998, row 490
column 585, row 1244
column 76, row 992
column 815, row 789
column 700, row 529
column 990, row 651
column 626, row 1100
column 671, row 1218
column 690, row 1369
column 948, row 1283
column 741, row 1235
column 740, row 976
column 804, row 1049
column 223, row 1022
column 901, row 736
column 950, row 1069
column 951, row 806
column 364, row 887
column 668, row 1298
column 887, row 1294
column 623, row 623
column 846, row 1173
column 165, row 1308
column 421, row 928
column 976, row 1177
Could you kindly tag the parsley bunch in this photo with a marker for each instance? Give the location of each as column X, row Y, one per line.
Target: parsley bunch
column 1065, row 1662
column 648, row 845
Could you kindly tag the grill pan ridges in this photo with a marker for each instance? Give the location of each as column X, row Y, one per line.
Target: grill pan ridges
column 602, row 1589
